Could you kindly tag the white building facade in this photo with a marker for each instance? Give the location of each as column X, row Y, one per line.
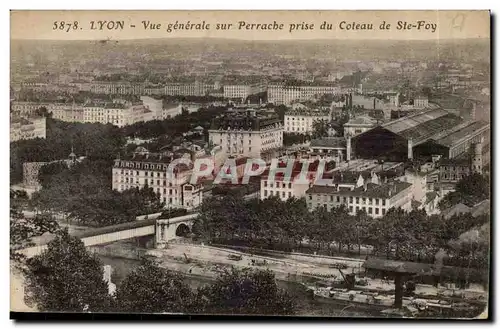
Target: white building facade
column 151, row 170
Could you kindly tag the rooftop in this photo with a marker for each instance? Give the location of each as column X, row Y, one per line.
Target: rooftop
column 361, row 120
column 334, row 142
column 423, row 125
column 457, row 135
column 372, row 190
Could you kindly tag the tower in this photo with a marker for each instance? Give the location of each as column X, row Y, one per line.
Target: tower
column 477, row 157
column 72, row 156
column 473, row 112
column 348, row 147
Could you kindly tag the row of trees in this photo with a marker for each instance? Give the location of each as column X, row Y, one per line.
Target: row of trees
column 288, row 225
column 66, row 277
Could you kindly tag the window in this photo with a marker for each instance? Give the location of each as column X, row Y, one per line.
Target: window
column 265, row 183
column 331, row 198
column 350, row 209
column 383, row 211
column 357, row 201
column 265, row 192
column 370, row 210
column 289, row 185
column 158, row 182
column 165, row 191
column 383, row 202
column 376, row 211
column 357, row 209
column 376, row 202
column 364, row 200
column 271, row 185
column 338, row 198
column 283, row 194
column 310, row 197
column 289, row 194
column 350, row 199
column 277, row 185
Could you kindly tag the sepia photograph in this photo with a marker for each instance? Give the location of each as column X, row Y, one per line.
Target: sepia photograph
column 292, row 164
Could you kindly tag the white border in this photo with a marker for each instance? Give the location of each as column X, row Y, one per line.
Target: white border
column 190, row 4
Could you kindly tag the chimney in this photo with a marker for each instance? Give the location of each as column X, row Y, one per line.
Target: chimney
column 348, row 148
column 410, row 149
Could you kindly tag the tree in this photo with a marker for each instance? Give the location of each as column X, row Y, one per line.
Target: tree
column 152, row 289
column 66, row 278
column 320, row 128
column 245, row 292
column 470, row 190
column 23, row 229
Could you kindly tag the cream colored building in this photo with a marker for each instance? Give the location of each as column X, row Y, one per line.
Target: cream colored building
column 242, row 90
column 283, row 94
column 374, row 199
column 246, row 134
column 301, row 120
column 151, row 169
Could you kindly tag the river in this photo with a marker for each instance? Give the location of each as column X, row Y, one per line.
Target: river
column 306, row 306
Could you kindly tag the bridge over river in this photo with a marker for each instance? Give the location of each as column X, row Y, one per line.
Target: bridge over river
column 163, row 231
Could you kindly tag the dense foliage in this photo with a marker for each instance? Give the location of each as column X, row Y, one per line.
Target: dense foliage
column 252, row 292
column 96, row 141
column 287, row 226
column 290, row 139
column 174, row 126
column 469, row 190
column 23, row 229
column 152, row 289
column 83, row 192
column 66, row 277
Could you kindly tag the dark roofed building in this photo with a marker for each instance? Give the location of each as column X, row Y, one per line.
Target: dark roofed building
column 374, row 199
column 423, row 134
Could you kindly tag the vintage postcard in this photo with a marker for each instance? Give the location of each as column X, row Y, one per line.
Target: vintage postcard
column 266, row 163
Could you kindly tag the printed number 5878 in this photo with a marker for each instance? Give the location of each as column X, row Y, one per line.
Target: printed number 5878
column 65, row 26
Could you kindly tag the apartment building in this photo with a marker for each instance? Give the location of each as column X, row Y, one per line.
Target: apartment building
column 242, row 90
column 117, row 88
column 188, row 89
column 374, row 199
column 301, row 120
column 421, row 102
column 27, row 128
column 294, row 187
column 144, row 168
column 245, row 133
column 287, row 94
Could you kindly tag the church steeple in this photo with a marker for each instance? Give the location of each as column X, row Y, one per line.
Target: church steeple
column 72, row 155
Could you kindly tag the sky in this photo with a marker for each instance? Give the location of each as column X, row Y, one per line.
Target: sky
column 40, row 25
